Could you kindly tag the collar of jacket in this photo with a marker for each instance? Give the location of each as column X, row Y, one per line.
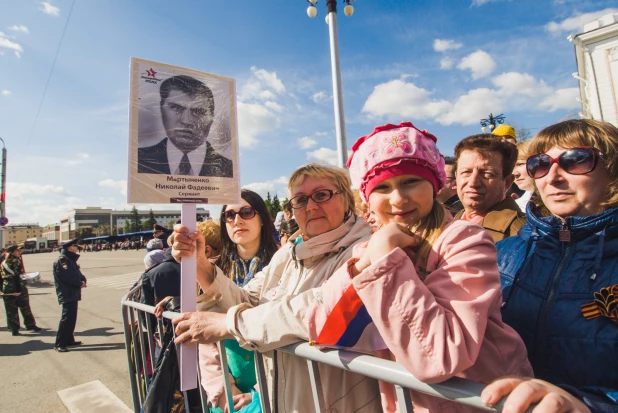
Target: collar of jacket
column 69, row 254
column 343, row 236
column 580, row 227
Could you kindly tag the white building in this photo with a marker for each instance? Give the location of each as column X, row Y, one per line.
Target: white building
column 596, row 51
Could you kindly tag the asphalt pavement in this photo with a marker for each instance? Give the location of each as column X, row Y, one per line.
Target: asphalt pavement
column 32, row 372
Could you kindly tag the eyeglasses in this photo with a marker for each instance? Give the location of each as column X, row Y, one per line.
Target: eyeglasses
column 576, row 161
column 245, row 213
column 318, row 197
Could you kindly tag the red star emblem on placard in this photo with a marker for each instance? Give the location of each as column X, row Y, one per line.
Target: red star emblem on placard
column 151, row 72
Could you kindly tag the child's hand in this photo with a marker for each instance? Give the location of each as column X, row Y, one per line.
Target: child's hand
column 389, row 237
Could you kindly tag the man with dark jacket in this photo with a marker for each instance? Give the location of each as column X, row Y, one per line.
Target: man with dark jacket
column 161, row 281
column 69, row 281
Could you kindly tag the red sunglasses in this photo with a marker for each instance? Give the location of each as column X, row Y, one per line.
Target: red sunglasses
column 576, row 161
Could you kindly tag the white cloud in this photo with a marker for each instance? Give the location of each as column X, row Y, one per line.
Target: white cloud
column 79, row 159
column 562, row 99
column 277, row 186
column 274, row 106
column 29, row 202
column 47, row 8
column 324, row 155
column 446, row 63
column 120, row 185
column 270, row 79
column 253, row 120
column 6, row 92
column 469, row 108
column 262, row 85
column 478, row 3
column 512, row 91
column 319, row 97
column 576, row 23
column 479, row 63
column 11, row 45
column 19, row 28
column 442, row 45
column 404, row 100
column 514, row 83
column 307, row 142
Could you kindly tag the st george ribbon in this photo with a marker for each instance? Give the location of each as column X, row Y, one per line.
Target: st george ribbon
column 183, row 149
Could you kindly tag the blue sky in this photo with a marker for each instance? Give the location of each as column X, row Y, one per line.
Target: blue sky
column 442, row 64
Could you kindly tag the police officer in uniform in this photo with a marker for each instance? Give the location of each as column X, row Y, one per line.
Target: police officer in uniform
column 69, row 281
column 15, row 292
column 160, row 232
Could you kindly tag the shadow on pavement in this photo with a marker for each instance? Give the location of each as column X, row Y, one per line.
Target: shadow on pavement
column 97, row 347
column 22, row 349
column 101, row 331
column 29, row 293
column 41, row 284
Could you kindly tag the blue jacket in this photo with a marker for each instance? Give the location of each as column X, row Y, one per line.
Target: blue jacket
column 545, row 282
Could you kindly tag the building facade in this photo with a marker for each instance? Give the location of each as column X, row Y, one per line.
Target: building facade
column 19, row 233
column 97, row 218
column 596, row 52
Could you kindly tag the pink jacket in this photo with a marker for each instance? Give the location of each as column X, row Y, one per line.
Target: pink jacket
column 439, row 326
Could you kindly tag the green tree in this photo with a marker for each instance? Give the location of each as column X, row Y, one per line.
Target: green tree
column 127, row 227
column 269, row 204
column 149, row 223
column 276, row 205
column 103, row 230
column 134, row 221
column 83, row 232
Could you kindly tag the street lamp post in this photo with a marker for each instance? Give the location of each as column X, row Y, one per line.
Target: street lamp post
column 331, row 20
column 3, row 190
column 491, row 122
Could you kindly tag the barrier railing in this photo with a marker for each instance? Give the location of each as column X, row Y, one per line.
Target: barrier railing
column 141, row 362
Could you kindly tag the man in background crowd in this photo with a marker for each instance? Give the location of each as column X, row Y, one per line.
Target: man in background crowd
column 448, row 194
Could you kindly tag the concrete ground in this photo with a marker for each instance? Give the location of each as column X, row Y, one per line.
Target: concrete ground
column 32, row 372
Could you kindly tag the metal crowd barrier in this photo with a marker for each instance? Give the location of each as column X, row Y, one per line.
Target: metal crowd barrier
column 141, row 360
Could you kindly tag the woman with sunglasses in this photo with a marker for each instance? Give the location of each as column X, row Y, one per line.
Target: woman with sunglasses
column 247, row 247
column 560, row 273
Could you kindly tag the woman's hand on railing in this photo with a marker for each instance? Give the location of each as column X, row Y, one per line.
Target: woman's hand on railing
column 200, row 327
column 160, row 307
column 523, row 392
column 185, row 244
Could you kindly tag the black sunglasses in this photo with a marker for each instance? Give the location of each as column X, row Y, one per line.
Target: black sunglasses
column 245, row 213
column 318, row 197
column 576, row 161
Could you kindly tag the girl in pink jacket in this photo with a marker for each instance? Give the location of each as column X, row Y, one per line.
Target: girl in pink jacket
column 425, row 290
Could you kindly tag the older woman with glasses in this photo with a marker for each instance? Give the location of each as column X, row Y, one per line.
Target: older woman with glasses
column 560, row 274
column 268, row 311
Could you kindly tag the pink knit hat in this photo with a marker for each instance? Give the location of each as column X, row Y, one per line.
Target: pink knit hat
column 393, row 150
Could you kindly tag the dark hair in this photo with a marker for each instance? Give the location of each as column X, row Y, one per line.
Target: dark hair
column 268, row 247
column 487, row 145
column 287, row 207
column 449, row 160
column 188, row 85
column 288, row 227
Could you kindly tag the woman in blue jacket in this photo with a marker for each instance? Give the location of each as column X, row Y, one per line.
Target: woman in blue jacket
column 560, row 273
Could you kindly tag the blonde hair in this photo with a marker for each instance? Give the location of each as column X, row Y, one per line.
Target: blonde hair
column 431, row 228
column 583, row 132
column 359, row 205
column 212, row 234
column 338, row 176
column 523, row 150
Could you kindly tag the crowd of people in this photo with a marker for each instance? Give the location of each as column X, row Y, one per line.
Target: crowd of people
column 440, row 264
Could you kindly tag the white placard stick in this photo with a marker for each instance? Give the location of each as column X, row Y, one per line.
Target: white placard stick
column 188, row 270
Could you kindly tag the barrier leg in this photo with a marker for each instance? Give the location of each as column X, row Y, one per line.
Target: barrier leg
column 404, row 399
column 260, row 371
column 316, row 386
column 127, row 343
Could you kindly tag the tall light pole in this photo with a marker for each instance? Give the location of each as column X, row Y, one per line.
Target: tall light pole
column 491, row 122
column 3, row 190
column 331, row 20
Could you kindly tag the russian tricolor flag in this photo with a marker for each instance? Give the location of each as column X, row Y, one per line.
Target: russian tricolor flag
column 349, row 325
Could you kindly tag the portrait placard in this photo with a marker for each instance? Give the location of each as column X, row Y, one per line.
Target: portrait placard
column 183, row 136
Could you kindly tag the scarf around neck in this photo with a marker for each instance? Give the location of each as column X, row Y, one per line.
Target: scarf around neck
column 244, row 270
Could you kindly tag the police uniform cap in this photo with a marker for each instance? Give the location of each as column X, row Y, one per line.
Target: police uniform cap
column 158, row 228
column 67, row 244
column 13, row 248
